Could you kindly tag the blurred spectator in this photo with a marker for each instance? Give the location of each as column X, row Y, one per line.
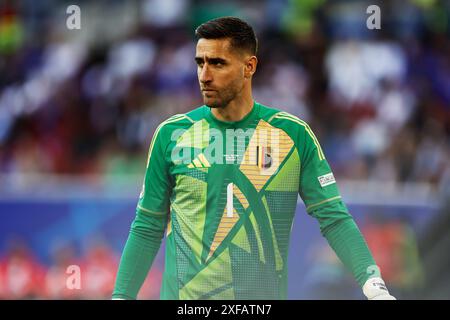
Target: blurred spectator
column 328, row 278
column 11, row 28
column 394, row 246
column 98, row 272
column 21, row 275
column 56, row 276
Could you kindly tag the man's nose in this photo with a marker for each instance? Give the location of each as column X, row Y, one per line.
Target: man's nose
column 205, row 74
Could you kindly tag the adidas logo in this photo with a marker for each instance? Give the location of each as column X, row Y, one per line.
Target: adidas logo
column 199, row 162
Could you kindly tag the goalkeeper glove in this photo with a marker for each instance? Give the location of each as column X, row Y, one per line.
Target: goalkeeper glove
column 375, row 289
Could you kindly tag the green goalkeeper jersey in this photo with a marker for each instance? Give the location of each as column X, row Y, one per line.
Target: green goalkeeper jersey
column 228, row 194
column 225, row 195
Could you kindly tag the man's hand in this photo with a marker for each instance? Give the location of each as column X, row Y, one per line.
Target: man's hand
column 375, row 289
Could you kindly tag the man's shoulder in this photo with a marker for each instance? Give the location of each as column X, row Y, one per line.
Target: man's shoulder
column 296, row 128
column 182, row 120
column 282, row 119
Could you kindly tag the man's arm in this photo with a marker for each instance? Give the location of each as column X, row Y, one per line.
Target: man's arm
column 147, row 229
column 344, row 236
column 140, row 250
column 320, row 193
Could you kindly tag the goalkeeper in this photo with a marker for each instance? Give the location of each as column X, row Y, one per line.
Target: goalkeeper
column 222, row 183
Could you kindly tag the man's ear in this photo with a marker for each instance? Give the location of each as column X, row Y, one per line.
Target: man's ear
column 250, row 66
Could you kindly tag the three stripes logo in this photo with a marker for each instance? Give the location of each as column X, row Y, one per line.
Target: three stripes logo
column 199, row 162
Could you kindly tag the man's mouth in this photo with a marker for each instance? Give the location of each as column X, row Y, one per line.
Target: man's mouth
column 208, row 92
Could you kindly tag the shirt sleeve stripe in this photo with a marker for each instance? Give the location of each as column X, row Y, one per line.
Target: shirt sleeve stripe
column 308, row 130
column 322, row 202
column 175, row 118
column 152, row 212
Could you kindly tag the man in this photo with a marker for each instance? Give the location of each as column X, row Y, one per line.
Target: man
column 223, row 181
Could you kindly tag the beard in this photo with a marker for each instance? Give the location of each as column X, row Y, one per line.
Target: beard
column 221, row 98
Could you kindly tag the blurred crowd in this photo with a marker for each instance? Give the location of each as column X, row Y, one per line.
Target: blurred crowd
column 67, row 276
column 76, row 273
column 379, row 100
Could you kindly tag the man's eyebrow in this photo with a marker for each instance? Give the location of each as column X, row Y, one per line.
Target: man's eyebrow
column 216, row 60
column 210, row 60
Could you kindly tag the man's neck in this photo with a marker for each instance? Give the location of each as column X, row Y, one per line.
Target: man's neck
column 236, row 110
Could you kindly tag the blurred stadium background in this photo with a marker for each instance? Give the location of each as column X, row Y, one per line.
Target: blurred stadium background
column 78, row 109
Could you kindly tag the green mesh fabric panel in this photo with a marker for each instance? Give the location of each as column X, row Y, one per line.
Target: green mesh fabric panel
column 284, row 180
column 248, row 271
column 190, row 205
column 197, row 174
column 221, row 293
column 212, row 280
column 280, row 204
column 183, row 252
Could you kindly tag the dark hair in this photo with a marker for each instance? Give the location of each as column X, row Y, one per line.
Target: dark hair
column 238, row 31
